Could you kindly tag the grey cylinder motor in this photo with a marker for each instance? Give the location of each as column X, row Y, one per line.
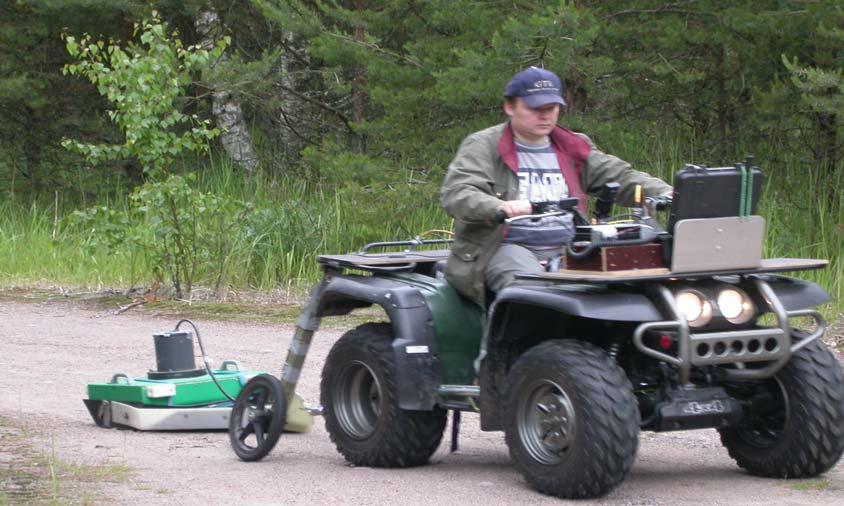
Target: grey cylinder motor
column 174, row 356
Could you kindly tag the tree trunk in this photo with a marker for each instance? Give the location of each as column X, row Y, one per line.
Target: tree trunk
column 291, row 107
column 358, row 94
column 225, row 108
column 827, row 124
column 32, row 151
column 724, row 105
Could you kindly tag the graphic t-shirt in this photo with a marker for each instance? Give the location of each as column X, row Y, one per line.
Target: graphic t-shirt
column 540, row 180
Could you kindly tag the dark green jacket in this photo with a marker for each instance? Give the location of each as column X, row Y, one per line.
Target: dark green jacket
column 483, row 174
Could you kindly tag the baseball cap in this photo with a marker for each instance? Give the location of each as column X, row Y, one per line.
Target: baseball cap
column 536, row 87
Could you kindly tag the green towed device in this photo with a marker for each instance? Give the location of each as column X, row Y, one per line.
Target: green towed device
column 178, row 395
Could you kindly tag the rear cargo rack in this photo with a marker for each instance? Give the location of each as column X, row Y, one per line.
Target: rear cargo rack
column 411, row 244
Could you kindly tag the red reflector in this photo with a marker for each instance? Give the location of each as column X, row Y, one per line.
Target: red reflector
column 665, row 342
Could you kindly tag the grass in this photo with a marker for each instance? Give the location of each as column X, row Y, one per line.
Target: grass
column 276, row 314
column 30, row 475
column 255, row 307
column 274, row 246
column 291, row 221
column 817, row 485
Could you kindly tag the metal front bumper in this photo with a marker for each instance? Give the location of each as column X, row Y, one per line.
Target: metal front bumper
column 773, row 345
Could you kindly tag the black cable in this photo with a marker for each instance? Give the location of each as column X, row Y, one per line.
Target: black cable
column 204, row 361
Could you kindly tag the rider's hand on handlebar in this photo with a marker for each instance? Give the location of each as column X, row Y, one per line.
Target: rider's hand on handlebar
column 513, row 208
column 660, row 202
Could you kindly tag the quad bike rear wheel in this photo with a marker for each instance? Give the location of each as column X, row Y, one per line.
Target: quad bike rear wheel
column 361, row 407
column 793, row 423
column 571, row 420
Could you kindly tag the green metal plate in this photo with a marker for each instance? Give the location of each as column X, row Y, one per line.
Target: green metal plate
column 198, row 391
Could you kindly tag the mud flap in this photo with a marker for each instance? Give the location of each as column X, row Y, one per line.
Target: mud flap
column 417, row 369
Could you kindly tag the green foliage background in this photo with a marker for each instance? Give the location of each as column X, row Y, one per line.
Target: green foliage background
column 355, row 108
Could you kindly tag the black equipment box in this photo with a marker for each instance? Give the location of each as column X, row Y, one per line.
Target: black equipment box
column 701, row 192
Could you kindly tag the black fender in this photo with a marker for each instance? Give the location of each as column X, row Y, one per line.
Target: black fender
column 796, row 294
column 601, row 303
column 516, row 308
column 580, row 301
column 585, row 301
column 418, row 371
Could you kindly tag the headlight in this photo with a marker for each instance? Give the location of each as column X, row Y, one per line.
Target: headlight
column 735, row 305
column 694, row 306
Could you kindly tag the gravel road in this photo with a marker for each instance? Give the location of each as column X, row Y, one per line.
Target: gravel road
column 50, row 351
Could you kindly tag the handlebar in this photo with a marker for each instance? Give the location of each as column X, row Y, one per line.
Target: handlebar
column 541, row 210
column 648, row 229
column 558, row 207
column 660, row 203
column 533, row 216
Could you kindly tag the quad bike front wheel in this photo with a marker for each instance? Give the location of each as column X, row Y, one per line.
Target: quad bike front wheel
column 571, row 420
column 361, row 407
column 793, row 423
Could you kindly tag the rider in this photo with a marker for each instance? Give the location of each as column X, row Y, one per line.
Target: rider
column 506, row 167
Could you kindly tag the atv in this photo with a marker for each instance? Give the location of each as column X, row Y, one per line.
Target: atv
column 638, row 327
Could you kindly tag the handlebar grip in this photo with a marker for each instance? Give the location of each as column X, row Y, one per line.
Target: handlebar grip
column 661, row 203
column 545, row 206
column 569, row 203
column 500, row 216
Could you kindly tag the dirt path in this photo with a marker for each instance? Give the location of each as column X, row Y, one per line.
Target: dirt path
column 50, row 351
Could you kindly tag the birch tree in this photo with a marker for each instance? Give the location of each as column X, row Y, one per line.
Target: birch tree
column 226, row 108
